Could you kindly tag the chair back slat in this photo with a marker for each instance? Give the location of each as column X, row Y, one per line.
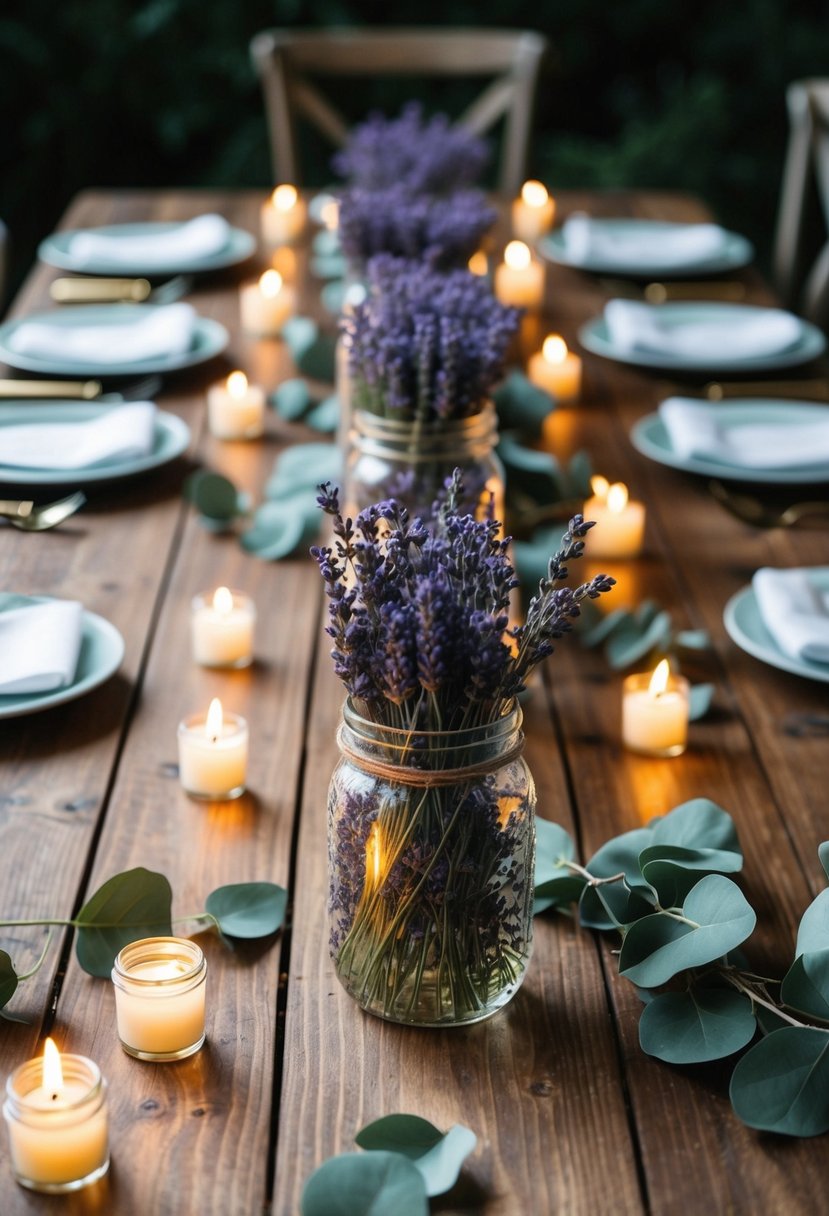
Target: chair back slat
column 801, row 274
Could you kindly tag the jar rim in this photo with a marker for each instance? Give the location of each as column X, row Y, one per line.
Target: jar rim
column 480, row 423
column 507, row 722
column 154, row 950
column 75, row 1067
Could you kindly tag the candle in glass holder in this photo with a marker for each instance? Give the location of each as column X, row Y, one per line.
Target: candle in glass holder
column 222, row 628
column 556, row 369
column 266, row 305
column 283, row 216
column 159, row 998
column 533, row 212
column 56, row 1114
column 655, row 710
column 519, row 280
column 620, row 523
column 213, row 754
column 235, row 408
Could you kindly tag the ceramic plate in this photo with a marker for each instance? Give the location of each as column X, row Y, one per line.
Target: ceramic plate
column 55, row 251
column 736, row 252
column 171, row 439
column 102, row 649
column 650, row 437
column 745, row 627
column 594, row 337
column 209, row 339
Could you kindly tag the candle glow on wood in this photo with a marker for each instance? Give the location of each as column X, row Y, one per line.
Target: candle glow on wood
column 556, row 369
column 655, row 712
column 533, row 211
column 620, row 523
column 519, row 280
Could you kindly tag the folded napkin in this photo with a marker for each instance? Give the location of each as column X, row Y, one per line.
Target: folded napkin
column 185, row 243
column 729, row 332
column 122, row 433
column 795, row 613
column 158, row 333
column 653, row 248
column 696, row 428
column 40, row 641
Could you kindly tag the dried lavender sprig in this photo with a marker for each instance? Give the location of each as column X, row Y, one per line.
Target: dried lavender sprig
column 444, row 232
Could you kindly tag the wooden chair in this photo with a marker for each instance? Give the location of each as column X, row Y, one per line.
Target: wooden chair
column 801, row 250
column 287, row 59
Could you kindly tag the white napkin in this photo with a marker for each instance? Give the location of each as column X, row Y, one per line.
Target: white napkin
column 728, row 333
column 122, row 433
column 158, row 333
column 696, row 428
column 651, row 249
column 186, row 243
column 39, row 645
column 795, row 613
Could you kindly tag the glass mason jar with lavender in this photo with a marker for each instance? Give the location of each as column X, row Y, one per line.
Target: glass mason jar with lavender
column 431, row 862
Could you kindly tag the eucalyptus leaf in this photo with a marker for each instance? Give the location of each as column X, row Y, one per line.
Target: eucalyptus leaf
column 782, row 1084
column 8, row 979
column 299, row 334
column 292, row 399
column 805, row 986
column 438, row 1156
column 326, row 242
column 693, row 639
column 127, row 907
column 823, row 854
column 618, row 856
column 699, row 700
column 522, row 405
column 673, row 870
column 282, row 528
column 302, row 467
column 579, row 471
column 553, row 845
column 325, row 415
column 318, row 359
column 697, row 824
column 212, row 495
column 334, row 294
column 657, row 635
column 557, row 892
column 697, row 1025
column 365, row 1184
column 596, row 634
column 717, row 918
column 813, row 933
column 248, row 909
column 621, row 905
column 536, row 472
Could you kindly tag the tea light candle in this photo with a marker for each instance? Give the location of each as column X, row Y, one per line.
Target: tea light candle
column 620, row 524
column 556, row 369
column 213, row 754
column 235, row 408
column 159, row 998
column 283, row 216
column 478, row 264
column 533, row 212
column 57, row 1121
column 266, row 305
column 519, row 280
column 655, row 712
column 222, row 628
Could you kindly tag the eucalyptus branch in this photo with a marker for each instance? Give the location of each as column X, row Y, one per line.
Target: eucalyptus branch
column 28, row 974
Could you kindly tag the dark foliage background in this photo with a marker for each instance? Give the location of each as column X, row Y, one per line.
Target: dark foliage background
column 161, row 92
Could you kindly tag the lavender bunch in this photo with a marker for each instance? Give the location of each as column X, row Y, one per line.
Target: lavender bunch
column 419, row 615
column 426, row 346
column 444, row 232
column 426, row 156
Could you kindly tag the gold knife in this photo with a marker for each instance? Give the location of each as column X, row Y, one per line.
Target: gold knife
column 76, row 390
column 87, row 291
column 724, row 289
column 812, row 390
column 12, row 509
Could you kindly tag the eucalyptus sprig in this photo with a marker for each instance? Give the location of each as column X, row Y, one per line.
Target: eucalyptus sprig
column 138, row 903
column 682, row 922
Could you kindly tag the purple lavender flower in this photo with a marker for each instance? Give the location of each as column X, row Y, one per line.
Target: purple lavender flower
column 443, row 232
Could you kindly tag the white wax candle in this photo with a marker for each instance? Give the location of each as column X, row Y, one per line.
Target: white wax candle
column 222, row 628
column 159, row 998
column 519, row 280
column 266, row 305
column 533, row 212
column 236, row 409
column 283, row 216
column 655, row 712
column 213, row 754
column 57, row 1120
column 556, row 369
column 620, row 523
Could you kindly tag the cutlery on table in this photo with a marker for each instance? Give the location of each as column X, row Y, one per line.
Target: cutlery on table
column 813, row 390
column 751, row 510
column 49, row 515
column 661, row 293
column 11, row 509
column 134, row 291
column 80, row 390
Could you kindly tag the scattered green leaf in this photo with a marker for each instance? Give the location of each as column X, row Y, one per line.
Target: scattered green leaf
column 782, row 1083
column 8, row 979
column 823, row 854
column 212, row 495
column 248, row 909
column 697, row 1025
column 699, row 700
column 805, row 986
column 365, row 1184
column 438, row 1156
column 813, row 934
column 127, row 907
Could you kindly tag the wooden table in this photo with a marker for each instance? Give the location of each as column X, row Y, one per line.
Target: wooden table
column 571, row 1117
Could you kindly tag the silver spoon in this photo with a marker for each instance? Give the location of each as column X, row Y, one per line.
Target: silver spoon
column 40, row 519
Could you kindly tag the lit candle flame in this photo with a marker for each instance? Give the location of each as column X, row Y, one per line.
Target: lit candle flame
column 330, row 215
column 237, row 385
column 214, row 721
column 659, row 679
column 534, row 194
column 517, row 255
column 52, row 1069
column 284, row 197
column 617, row 498
column 554, row 349
column 223, row 600
column 600, row 486
column 479, row 263
column 270, row 284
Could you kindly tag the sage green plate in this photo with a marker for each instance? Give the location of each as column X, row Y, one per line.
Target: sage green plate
column 744, row 625
column 736, row 251
column 55, row 250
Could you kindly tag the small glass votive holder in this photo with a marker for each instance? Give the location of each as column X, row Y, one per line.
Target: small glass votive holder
column 655, row 723
column 159, row 998
column 221, row 628
column 58, row 1142
column 213, row 766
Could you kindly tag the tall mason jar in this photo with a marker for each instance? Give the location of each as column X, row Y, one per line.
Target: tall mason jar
column 431, row 854
column 411, row 461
